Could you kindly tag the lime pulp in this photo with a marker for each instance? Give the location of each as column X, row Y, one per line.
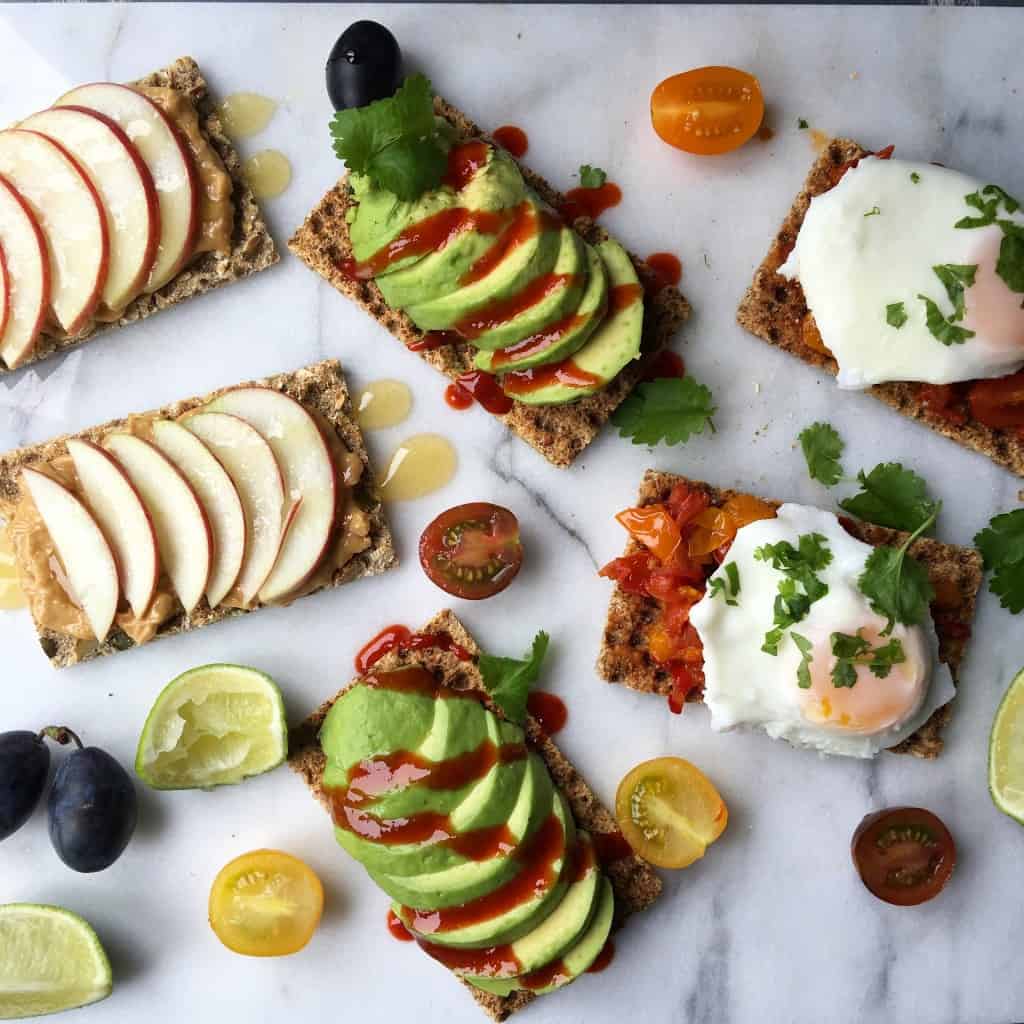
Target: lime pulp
column 1006, row 752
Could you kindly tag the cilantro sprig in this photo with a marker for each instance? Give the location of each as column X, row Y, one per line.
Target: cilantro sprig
column 955, row 278
column 508, row 680
column 800, row 587
column 1001, row 544
column 1010, row 265
column 592, row 177
column 669, row 409
column 822, row 447
column 894, row 496
column 851, row 650
column 729, row 588
column 395, row 141
column 896, row 314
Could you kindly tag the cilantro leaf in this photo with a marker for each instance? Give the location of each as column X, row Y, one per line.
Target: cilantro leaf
column 803, row 672
column 941, row 328
column 802, row 124
column 892, row 496
column 729, row 588
column 799, row 565
column 955, row 277
column 394, row 141
column 1009, row 203
column 508, row 680
column 592, row 177
column 915, row 177
column 897, row 586
column 853, row 650
column 1010, row 265
column 988, row 208
column 1001, row 545
column 896, row 314
column 669, row 409
column 873, row 212
column 822, row 447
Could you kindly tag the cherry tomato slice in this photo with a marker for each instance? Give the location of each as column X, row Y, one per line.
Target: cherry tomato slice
column 904, row 855
column 265, row 903
column 707, row 111
column 669, row 812
column 472, row 551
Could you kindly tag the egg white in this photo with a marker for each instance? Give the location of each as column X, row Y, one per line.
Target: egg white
column 747, row 687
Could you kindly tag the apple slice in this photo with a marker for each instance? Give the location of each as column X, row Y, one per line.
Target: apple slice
column 117, row 507
column 71, row 215
column 182, row 530
column 28, row 272
column 153, row 133
column 88, row 561
column 5, row 291
column 250, row 462
column 125, row 186
column 219, row 497
column 309, row 479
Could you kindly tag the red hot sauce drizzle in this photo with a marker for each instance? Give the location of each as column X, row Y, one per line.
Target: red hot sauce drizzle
column 523, row 226
column 463, row 162
column 514, row 139
column 397, row 929
column 457, row 396
column 665, row 363
column 522, row 382
column 432, row 340
column 589, row 202
column 479, row 385
column 501, row 311
column 604, row 958
column 543, row 339
column 401, row 638
column 668, row 271
column 549, row 710
column 622, row 296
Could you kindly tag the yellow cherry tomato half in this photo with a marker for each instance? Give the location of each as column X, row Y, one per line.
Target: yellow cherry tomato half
column 669, row 812
column 707, row 111
column 266, row 903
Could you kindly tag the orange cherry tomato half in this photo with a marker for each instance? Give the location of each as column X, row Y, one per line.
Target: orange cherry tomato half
column 708, row 110
column 904, row 855
column 265, row 903
column 472, row 551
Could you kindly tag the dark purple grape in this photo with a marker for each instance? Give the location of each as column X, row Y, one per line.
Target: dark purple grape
column 24, row 765
column 365, row 65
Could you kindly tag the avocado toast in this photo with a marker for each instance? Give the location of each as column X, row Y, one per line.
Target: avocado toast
column 563, row 311
column 532, row 793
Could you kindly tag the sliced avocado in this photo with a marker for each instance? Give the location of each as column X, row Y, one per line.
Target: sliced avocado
column 576, row 961
column 569, row 280
column 497, row 188
column 560, row 339
column 471, row 879
column 524, row 918
column 614, row 344
column 520, row 265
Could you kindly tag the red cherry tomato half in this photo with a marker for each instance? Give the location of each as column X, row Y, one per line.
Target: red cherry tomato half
column 905, row 855
column 472, row 551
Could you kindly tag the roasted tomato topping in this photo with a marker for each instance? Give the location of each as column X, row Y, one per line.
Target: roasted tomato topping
column 717, row 527
column 654, row 527
column 838, row 172
column 811, row 337
column 998, row 403
column 472, row 551
column 904, row 855
column 945, row 400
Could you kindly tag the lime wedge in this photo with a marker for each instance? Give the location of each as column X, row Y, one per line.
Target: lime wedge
column 1006, row 752
column 213, row 726
column 50, row 960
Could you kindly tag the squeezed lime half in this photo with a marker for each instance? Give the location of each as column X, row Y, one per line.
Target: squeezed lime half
column 1006, row 752
column 50, row 960
column 213, row 726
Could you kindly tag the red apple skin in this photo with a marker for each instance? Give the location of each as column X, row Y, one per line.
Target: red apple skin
column 101, row 275
column 5, row 287
column 148, row 186
column 44, row 262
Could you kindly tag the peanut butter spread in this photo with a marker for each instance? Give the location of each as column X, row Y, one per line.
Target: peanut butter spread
column 53, row 605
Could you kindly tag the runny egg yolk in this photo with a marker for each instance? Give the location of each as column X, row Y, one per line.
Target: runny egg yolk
column 992, row 311
column 873, row 704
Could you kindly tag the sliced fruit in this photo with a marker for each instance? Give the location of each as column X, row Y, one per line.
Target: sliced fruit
column 707, row 110
column 669, row 812
column 5, row 292
column 472, row 551
column 249, row 461
column 50, row 960
column 1006, row 752
column 125, row 186
column 28, row 269
column 265, row 903
column 170, row 165
column 218, row 496
column 122, row 517
column 309, row 480
column 560, row 339
column 213, row 726
column 904, row 855
column 182, row 530
column 84, row 552
column 71, row 216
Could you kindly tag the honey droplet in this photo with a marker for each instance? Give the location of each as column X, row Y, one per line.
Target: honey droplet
column 268, row 173
column 383, row 403
column 421, row 465
column 246, row 113
column 11, row 594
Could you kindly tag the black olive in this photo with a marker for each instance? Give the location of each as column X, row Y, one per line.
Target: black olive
column 93, row 810
column 24, row 765
column 365, row 65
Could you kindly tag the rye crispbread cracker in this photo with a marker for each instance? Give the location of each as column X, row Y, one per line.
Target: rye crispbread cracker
column 252, row 248
column 635, row 883
column 320, row 387
column 955, row 572
column 774, row 309
column 558, row 432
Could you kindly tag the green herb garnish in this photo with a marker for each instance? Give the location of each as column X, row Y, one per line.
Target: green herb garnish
column 730, row 588
column 955, row 277
column 1001, row 545
column 1010, row 266
column 873, row 212
column 508, row 680
column 853, row 650
column 896, row 314
column 915, row 177
column 801, row 586
column 592, row 177
column 395, row 142
column 803, row 672
column 669, row 409
column 943, row 328
column 892, row 496
column 822, row 447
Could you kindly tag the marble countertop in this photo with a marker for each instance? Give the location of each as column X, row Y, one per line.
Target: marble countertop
column 773, row 925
